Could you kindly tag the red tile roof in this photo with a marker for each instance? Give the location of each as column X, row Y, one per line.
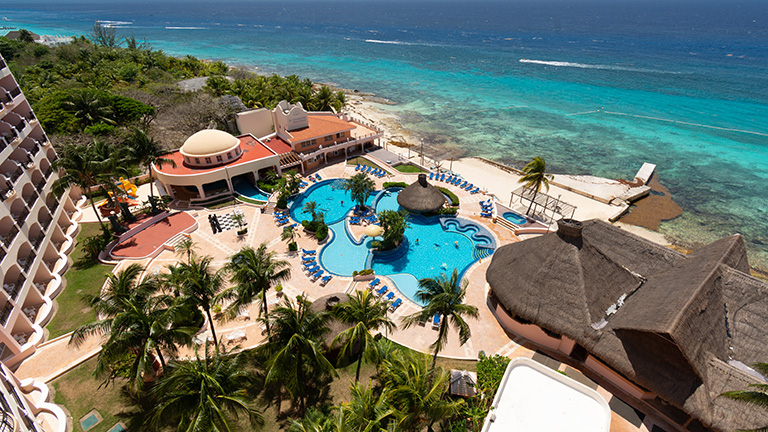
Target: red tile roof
column 251, row 147
column 319, row 126
column 278, row 145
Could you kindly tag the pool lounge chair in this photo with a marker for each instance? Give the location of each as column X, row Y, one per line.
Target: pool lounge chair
column 382, row 174
column 317, row 176
column 486, row 215
column 464, row 184
column 442, row 177
column 316, row 276
column 354, row 220
column 475, row 190
column 327, row 278
column 308, row 258
column 307, row 252
column 357, row 168
column 469, row 187
column 395, row 304
column 312, row 269
column 381, row 291
column 374, row 282
column 431, row 175
column 281, row 222
column 457, row 181
column 436, row 321
column 388, row 297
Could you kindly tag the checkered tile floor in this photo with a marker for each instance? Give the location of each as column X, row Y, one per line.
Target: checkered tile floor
column 227, row 221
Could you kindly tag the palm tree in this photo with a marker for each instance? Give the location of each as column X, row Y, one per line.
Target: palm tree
column 311, row 208
column 186, row 247
column 200, row 285
column 89, row 108
column 254, row 272
column 415, row 392
column 368, row 410
column 137, row 321
column 289, row 234
column 757, row 395
column 365, row 313
column 360, row 187
column 80, row 169
column 147, row 153
column 295, row 352
column 206, row 394
column 443, row 296
column 393, row 224
column 534, row 177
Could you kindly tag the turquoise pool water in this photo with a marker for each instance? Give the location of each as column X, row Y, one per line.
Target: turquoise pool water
column 250, row 191
column 331, row 198
column 432, row 247
column 514, row 218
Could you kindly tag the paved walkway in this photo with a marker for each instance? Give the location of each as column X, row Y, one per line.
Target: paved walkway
column 246, row 332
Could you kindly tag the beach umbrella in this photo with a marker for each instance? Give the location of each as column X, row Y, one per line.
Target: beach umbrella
column 373, row 230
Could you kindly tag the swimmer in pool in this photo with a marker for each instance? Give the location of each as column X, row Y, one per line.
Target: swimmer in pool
column 456, row 243
column 417, row 241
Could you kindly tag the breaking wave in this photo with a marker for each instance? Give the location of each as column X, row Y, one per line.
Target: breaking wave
column 593, row 66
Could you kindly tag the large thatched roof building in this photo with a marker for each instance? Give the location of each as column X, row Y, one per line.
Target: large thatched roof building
column 421, row 197
column 673, row 330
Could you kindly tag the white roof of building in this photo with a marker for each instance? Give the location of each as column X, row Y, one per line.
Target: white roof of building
column 209, row 142
column 534, row 398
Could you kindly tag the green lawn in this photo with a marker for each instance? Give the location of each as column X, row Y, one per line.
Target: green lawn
column 82, row 278
column 366, row 162
column 408, row 168
column 79, row 391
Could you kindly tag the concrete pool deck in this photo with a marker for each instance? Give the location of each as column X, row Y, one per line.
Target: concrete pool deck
column 56, row 357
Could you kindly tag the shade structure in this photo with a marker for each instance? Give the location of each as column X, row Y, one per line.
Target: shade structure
column 373, row 230
column 421, row 197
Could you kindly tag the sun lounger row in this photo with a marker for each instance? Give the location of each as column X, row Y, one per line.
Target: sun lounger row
column 385, row 294
column 454, row 180
column 314, row 177
column 378, row 172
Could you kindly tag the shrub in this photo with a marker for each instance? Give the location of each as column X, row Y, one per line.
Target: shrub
column 365, row 272
column 293, row 247
column 445, row 211
column 93, row 245
column 322, row 232
column 454, row 199
column 243, row 231
column 99, row 129
column 282, row 203
column 387, row 185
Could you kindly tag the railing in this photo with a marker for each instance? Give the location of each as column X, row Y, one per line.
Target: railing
column 26, row 263
column 45, row 221
column 5, row 314
column 21, row 217
column 3, row 253
column 15, row 92
column 47, row 172
column 30, row 200
column 52, row 205
column 15, row 174
column 8, row 238
column 5, row 193
column 338, row 146
column 40, row 185
column 16, row 289
column 37, row 241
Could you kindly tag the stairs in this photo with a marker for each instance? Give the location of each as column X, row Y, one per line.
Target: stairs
column 481, row 252
column 507, row 224
column 270, row 208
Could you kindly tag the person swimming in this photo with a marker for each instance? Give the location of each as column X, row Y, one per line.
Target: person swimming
column 417, row 241
column 456, row 243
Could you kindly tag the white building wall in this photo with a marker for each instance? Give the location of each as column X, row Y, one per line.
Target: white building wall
column 258, row 123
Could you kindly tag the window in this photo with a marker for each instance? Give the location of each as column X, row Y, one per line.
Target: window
column 219, row 158
column 207, row 160
column 229, row 155
column 340, row 135
column 197, row 160
column 329, row 138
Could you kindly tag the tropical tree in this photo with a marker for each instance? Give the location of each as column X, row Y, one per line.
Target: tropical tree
column 417, row 393
column 393, row 224
column 311, row 208
column 535, row 177
column 206, row 394
column 443, row 296
column 200, row 285
column 360, row 187
column 81, row 169
column 137, row 320
column 295, row 354
column 148, row 153
column 105, row 36
column 369, row 410
column 756, row 395
column 365, row 313
column 288, row 234
column 186, row 247
column 253, row 273
column 89, row 108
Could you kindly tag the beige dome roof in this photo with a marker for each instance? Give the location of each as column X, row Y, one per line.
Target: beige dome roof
column 209, row 142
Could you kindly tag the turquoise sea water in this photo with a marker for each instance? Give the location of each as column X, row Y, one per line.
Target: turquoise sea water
column 595, row 87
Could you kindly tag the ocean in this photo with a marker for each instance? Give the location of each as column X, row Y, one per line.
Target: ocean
column 593, row 86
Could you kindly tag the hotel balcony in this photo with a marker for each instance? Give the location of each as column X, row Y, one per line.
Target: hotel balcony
column 21, row 216
column 25, row 261
column 44, row 218
column 5, row 313
column 8, row 231
column 3, row 253
column 52, row 203
column 13, row 282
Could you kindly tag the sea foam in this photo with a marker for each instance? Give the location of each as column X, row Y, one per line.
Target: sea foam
column 593, row 66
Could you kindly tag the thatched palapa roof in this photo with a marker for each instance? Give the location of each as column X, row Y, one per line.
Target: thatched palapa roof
column 681, row 326
column 421, row 197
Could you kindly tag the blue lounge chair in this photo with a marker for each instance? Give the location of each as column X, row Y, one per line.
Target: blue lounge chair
column 382, row 173
column 282, row 222
column 436, row 321
column 381, row 291
column 469, row 187
column 442, row 177
column 357, row 168
column 367, row 169
column 317, row 176
column 431, row 175
column 457, row 181
column 464, row 184
column 307, row 252
column 312, row 269
column 389, row 296
column 475, row 190
column 306, row 258
column 354, row 220
column 316, row 276
column 395, row 304
column 374, row 282
column 449, row 179
column 487, row 215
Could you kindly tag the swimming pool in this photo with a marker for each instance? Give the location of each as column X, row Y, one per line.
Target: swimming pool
column 433, row 245
column 514, row 218
column 331, row 198
column 248, row 190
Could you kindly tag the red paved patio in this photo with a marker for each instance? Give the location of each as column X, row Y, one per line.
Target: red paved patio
column 147, row 241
